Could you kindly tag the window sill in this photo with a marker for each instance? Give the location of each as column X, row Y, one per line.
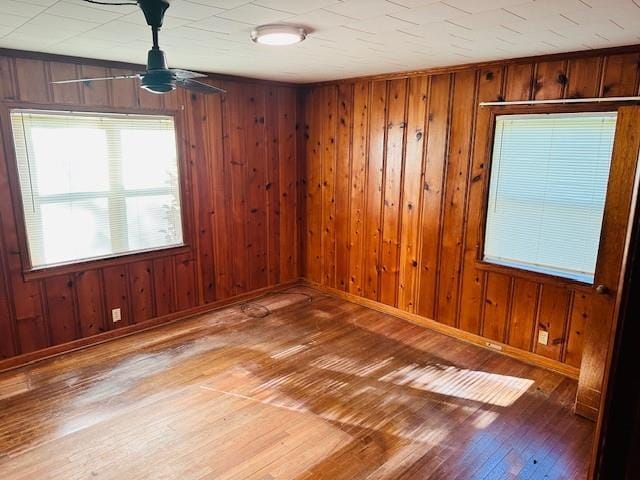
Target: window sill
column 533, row 276
column 124, row 259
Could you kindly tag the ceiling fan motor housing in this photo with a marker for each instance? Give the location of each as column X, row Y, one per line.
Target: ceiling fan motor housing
column 158, row 78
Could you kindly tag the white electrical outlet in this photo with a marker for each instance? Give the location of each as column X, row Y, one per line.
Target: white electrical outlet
column 494, row 346
column 543, row 337
column 115, row 315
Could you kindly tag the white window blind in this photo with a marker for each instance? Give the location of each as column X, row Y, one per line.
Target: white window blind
column 96, row 185
column 547, row 191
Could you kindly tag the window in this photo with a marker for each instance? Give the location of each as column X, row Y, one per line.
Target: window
column 547, row 191
column 96, row 185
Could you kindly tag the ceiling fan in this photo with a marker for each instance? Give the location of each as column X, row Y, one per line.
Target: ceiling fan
column 158, row 77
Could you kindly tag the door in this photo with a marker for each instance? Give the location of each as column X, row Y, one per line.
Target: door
column 600, row 325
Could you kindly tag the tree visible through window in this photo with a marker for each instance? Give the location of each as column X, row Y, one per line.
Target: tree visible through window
column 547, row 191
column 96, row 185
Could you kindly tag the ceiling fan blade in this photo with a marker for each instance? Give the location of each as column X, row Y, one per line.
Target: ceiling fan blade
column 179, row 73
column 86, row 80
column 197, row 86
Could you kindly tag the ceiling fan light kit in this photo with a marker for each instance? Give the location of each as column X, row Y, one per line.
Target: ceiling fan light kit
column 278, row 35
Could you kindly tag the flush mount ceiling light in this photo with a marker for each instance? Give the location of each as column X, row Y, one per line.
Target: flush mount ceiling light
column 278, row 34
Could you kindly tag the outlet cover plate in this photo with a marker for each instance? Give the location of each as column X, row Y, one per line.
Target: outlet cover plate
column 543, row 337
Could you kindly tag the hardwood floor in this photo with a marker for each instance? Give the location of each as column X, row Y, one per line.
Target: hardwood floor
column 319, row 388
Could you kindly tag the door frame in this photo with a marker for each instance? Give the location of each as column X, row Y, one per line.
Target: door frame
column 617, row 437
column 619, row 206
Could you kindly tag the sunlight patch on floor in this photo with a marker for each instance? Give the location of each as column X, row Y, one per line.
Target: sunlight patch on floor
column 484, row 419
column 350, row 366
column 485, row 387
column 288, row 352
column 14, row 384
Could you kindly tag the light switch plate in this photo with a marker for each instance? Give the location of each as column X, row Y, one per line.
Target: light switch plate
column 115, row 315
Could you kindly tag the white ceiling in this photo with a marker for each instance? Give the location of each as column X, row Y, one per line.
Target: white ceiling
column 349, row 38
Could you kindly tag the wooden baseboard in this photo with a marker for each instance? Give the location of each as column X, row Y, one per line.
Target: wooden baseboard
column 492, row 345
column 516, row 353
column 27, row 358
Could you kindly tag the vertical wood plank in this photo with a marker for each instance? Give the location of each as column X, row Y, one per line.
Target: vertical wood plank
column 273, row 112
column 64, row 93
column 519, row 81
column 584, row 77
column 235, row 157
column 256, row 220
column 372, row 230
column 328, row 160
column 7, row 79
column 32, row 334
column 172, row 100
column 91, row 313
column 163, row 286
column 359, row 168
column 198, row 136
column 32, row 327
column 594, row 353
column 301, row 180
column 551, row 80
column 393, row 169
column 61, row 311
column 7, row 349
column 313, row 202
column 342, row 186
column 412, row 192
column 97, row 92
column 220, row 186
column 453, row 217
column 124, row 93
column 472, row 279
column 496, row 306
column 8, row 335
column 141, row 278
column 116, row 294
column 524, row 305
column 581, row 317
column 31, row 80
column 620, row 76
column 435, row 162
column 552, row 317
column 185, row 282
column 148, row 100
column 288, row 172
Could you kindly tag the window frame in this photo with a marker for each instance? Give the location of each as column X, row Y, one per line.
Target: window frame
column 542, row 109
column 28, row 271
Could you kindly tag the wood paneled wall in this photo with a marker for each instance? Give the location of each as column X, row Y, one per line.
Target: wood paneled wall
column 380, row 196
column 395, row 180
column 240, row 202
